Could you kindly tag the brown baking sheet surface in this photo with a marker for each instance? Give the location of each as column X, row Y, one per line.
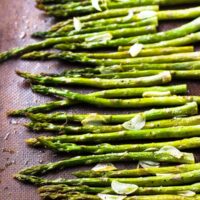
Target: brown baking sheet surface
column 18, row 19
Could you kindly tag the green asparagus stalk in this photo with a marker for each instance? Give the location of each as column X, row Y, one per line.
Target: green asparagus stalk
column 143, row 53
column 62, row 129
column 162, row 78
column 194, row 65
column 55, row 1
column 149, row 134
column 64, row 189
column 73, row 57
column 58, row 6
column 46, row 107
column 187, row 158
column 127, row 92
column 138, row 172
column 186, row 40
column 80, row 196
column 183, row 144
column 153, row 114
column 154, row 181
column 176, row 74
column 111, row 13
column 114, row 55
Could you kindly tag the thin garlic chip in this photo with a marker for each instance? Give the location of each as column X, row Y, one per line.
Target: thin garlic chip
column 148, row 164
column 95, row 4
column 156, row 94
column 104, row 167
column 102, row 37
column 130, row 15
column 146, row 14
column 123, row 188
column 77, row 24
column 111, row 197
column 136, row 49
column 174, row 152
column 136, row 123
column 187, row 193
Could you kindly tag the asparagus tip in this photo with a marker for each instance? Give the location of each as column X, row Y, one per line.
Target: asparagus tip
column 32, row 142
column 40, row 6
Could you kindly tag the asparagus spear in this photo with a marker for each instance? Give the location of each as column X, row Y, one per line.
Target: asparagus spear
column 183, row 144
column 124, row 68
column 186, row 40
column 186, row 158
column 194, row 120
column 64, row 189
column 153, row 114
column 176, row 74
column 64, row 6
column 162, row 78
column 73, row 57
column 153, row 197
column 80, row 196
column 143, row 53
column 149, row 134
column 138, row 172
column 55, row 1
column 153, row 181
column 114, row 55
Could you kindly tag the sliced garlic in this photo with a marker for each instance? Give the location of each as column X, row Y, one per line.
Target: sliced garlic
column 77, row 24
column 187, row 193
column 104, row 167
column 123, row 188
column 102, row 37
column 136, row 49
column 136, row 123
column 147, row 14
column 148, row 164
column 95, row 4
column 110, row 197
column 156, row 94
column 174, row 152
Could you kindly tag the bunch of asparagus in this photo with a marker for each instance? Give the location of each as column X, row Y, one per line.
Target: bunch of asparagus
column 135, row 73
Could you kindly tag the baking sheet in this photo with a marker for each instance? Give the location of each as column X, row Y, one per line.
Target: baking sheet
column 18, row 19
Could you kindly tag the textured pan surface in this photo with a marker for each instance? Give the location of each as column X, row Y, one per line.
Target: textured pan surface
column 18, row 19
